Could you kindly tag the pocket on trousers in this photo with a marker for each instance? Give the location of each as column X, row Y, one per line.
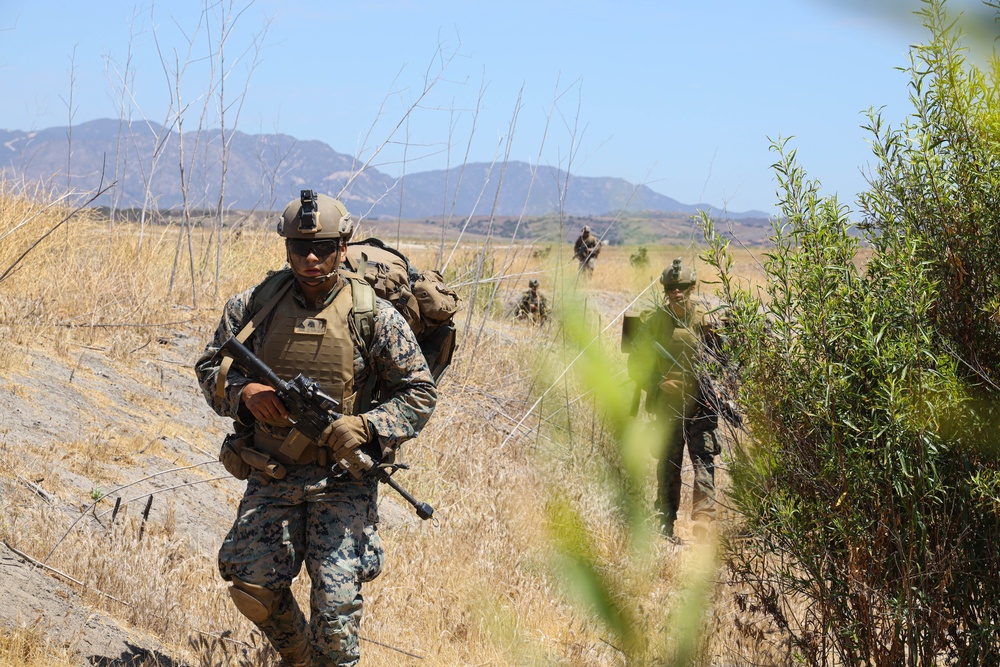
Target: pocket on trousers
column 371, row 554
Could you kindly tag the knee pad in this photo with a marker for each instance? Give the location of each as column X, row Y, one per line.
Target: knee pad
column 254, row 602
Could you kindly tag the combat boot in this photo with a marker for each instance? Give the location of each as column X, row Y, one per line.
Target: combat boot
column 666, row 526
column 300, row 656
column 296, row 662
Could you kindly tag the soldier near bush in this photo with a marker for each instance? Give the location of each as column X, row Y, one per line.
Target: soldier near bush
column 305, row 510
column 586, row 249
column 666, row 346
column 533, row 305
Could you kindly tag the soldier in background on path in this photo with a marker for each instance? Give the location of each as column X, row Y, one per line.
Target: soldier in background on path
column 665, row 347
column 585, row 250
column 304, row 509
column 533, row 305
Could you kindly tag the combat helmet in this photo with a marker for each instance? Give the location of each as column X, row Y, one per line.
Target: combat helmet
column 676, row 277
column 315, row 216
column 533, row 284
column 585, row 230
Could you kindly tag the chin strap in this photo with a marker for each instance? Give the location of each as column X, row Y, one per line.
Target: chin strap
column 313, row 281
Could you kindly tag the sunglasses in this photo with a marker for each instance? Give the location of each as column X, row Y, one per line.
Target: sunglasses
column 322, row 249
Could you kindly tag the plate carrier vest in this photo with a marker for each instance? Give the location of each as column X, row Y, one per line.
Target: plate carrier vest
column 300, row 340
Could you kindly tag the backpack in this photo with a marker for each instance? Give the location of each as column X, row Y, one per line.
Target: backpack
column 388, row 272
column 423, row 299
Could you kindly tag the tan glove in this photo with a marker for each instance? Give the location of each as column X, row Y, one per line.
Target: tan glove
column 672, row 384
column 346, row 434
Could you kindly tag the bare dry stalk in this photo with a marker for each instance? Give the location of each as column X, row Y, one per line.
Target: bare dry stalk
column 429, row 83
column 479, row 587
column 65, row 576
column 449, row 213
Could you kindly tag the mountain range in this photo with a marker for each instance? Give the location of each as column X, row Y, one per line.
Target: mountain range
column 264, row 171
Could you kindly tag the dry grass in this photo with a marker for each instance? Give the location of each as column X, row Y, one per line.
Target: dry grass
column 27, row 645
column 480, row 584
column 615, row 273
column 98, row 447
column 107, row 287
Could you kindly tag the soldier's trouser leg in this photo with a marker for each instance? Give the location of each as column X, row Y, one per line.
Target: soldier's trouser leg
column 261, row 555
column 701, row 451
column 345, row 551
column 278, row 616
column 668, row 478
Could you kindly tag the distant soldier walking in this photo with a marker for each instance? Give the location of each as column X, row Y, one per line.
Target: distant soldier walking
column 533, row 305
column 664, row 362
column 586, row 249
column 301, row 509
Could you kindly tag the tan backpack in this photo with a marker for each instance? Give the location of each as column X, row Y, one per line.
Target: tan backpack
column 438, row 303
column 426, row 303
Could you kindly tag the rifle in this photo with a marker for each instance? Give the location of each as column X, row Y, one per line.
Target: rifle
column 589, row 253
column 711, row 396
column 311, row 412
column 633, row 408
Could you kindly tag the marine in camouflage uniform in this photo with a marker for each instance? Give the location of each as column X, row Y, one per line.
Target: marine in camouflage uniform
column 533, row 305
column 315, row 515
column 676, row 396
column 586, row 249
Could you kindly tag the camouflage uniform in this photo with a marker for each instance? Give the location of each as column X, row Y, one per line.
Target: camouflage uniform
column 684, row 414
column 315, row 516
column 586, row 249
column 533, row 306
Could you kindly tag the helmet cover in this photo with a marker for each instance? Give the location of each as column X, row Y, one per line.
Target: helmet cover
column 676, row 277
column 315, row 216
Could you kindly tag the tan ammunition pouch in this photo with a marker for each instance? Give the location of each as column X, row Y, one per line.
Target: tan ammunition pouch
column 438, row 302
column 229, row 455
column 238, row 457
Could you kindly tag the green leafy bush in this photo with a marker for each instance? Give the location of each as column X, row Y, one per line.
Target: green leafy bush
column 869, row 493
column 640, row 258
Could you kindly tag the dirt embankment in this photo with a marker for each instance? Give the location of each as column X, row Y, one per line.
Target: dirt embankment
column 74, row 427
column 78, row 432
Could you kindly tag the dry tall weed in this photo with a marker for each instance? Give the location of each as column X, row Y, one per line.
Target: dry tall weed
column 88, row 283
column 480, row 584
column 26, row 644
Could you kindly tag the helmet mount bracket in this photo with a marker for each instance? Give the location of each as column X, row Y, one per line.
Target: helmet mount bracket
column 309, row 215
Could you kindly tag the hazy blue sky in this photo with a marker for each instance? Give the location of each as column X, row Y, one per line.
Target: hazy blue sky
column 681, row 95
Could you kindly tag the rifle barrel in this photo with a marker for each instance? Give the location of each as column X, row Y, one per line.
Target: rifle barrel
column 249, row 361
column 424, row 511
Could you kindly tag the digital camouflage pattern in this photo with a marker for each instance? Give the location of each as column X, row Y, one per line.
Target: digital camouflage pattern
column 322, row 521
column 316, row 517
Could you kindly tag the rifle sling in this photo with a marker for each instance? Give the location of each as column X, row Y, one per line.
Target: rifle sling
column 245, row 332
